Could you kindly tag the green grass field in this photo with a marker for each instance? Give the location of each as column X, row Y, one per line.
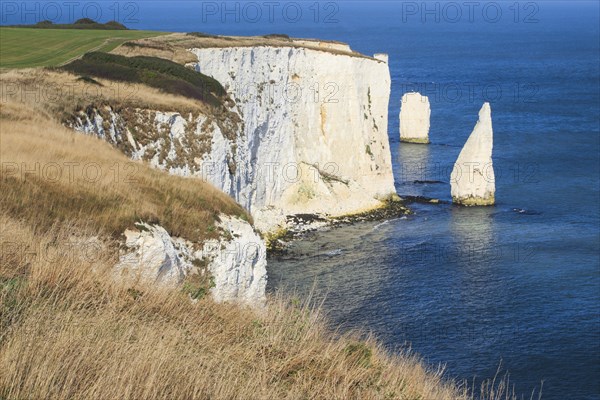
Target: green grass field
column 30, row 47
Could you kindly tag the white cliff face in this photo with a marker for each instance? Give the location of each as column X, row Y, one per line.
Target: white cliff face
column 472, row 179
column 415, row 114
column 315, row 130
column 236, row 262
column 239, row 265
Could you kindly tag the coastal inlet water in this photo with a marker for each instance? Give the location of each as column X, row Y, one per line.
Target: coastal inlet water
column 518, row 283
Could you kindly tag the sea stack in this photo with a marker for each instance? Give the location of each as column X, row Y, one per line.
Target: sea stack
column 414, row 118
column 472, row 180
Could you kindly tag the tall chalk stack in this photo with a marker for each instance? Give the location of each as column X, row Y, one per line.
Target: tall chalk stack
column 472, row 180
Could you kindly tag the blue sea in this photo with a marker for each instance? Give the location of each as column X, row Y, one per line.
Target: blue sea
column 515, row 286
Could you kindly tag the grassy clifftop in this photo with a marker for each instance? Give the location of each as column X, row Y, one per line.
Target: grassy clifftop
column 38, row 47
column 69, row 331
column 44, row 45
column 175, row 45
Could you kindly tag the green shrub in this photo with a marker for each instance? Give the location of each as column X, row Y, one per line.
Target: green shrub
column 115, row 25
column 83, row 23
column 198, row 286
column 277, row 36
column 159, row 73
column 202, row 35
column 359, row 353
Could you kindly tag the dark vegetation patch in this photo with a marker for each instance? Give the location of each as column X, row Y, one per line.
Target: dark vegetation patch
column 146, row 45
column 83, row 23
column 203, row 35
column 197, row 286
column 277, row 36
column 159, row 73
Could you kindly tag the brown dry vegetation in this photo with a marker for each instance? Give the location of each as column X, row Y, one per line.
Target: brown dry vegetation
column 171, row 49
column 69, row 331
column 63, row 97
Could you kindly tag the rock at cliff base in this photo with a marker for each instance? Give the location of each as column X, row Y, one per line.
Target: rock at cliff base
column 236, row 261
column 151, row 258
column 415, row 114
column 473, row 182
column 238, row 265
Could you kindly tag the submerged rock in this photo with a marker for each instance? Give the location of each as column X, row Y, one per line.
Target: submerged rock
column 415, row 114
column 473, row 182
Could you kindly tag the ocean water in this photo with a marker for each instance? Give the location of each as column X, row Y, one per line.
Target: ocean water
column 516, row 284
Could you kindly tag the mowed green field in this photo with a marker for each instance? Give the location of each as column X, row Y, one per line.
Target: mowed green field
column 30, row 47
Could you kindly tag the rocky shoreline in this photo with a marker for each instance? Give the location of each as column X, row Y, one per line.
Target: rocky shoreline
column 299, row 225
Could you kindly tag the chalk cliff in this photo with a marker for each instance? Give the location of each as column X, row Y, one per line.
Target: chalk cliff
column 473, row 182
column 415, row 114
column 305, row 131
column 302, row 130
column 315, row 130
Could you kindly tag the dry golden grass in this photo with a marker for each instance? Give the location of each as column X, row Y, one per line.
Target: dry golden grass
column 51, row 174
column 175, row 46
column 71, row 332
column 172, row 49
